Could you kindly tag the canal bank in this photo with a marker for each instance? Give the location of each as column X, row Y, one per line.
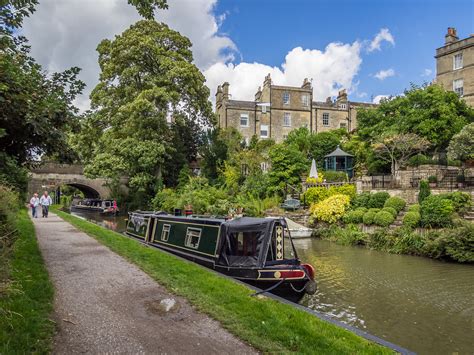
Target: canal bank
column 421, row 304
column 268, row 325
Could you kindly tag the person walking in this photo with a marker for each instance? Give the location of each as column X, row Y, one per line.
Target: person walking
column 45, row 202
column 34, row 203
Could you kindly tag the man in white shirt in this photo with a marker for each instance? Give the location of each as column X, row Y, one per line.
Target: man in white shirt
column 34, row 203
column 45, row 202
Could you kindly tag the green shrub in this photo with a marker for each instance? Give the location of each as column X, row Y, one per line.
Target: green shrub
column 383, row 218
column 461, row 200
column 391, row 210
column 316, row 194
column 414, row 208
column 411, row 219
column 405, row 241
column 432, row 179
column 361, row 200
column 378, row 199
column 374, row 210
column 368, row 218
column 436, row 211
column 363, row 209
column 354, row 216
column 424, row 191
column 335, row 176
column 396, row 202
column 331, row 209
column 460, row 243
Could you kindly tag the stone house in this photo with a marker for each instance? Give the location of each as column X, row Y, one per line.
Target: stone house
column 277, row 110
column 455, row 65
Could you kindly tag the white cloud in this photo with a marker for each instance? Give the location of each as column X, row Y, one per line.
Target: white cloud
column 383, row 74
column 378, row 98
column 383, row 35
column 66, row 33
column 331, row 69
column 427, row 72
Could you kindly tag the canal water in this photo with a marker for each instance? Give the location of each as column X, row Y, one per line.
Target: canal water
column 424, row 305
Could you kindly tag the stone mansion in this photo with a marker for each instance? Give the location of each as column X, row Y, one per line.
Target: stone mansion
column 277, row 110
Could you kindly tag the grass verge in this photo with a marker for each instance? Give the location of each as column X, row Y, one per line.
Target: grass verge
column 27, row 296
column 266, row 324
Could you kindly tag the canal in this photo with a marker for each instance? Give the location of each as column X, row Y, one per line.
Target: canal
column 424, row 305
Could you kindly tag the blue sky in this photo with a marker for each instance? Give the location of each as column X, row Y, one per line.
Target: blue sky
column 264, row 31
column 241, row 41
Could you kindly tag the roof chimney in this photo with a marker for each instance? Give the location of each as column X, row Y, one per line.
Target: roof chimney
column 306, row 84
column 218, row 95
column 342, row 95
column 451, row 36
column 225, row 91
column 258, row 94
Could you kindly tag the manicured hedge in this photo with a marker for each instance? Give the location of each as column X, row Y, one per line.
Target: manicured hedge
column 383, row 219
column 368, row 218
column 395, row 202
column 411, row 219
column 414, row 208
column 391, row 210
column 355, row 216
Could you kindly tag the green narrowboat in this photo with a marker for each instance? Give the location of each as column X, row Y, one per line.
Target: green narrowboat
column 258, row 251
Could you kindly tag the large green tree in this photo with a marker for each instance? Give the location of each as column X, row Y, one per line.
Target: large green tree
column 428, row 111
column 147, row 81
column 462, row 145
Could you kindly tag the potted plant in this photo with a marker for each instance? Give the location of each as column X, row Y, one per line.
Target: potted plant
column 460, row 180
column 432, row 180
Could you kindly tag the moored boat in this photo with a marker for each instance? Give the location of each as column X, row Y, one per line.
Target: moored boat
column 258, row 251
column 96, row 205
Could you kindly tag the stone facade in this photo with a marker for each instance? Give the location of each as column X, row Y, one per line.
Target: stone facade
column 455, row 65
column 277, row 110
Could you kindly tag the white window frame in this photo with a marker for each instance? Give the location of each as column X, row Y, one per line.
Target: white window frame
column 459, row 64
column 305, row 100
column 286, row 119
column 165, row 232
column 326, row 115
column 266, row 129
column 286, row 98
column 189, row 237
column 246, row 116
column 264, row 109
column 343, row 106
column 458, row 89
column 264, row 166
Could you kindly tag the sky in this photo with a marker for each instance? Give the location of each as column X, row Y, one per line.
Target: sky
column 371, row 48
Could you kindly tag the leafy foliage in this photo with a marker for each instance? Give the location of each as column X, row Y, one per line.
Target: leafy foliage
column 460, row 243
column 424, row 191
column 354, row 216
column 316, row 194
column 146, row 8
column 436, row 211
column 288, row 163
column 331, row 209
column 414, row 208
column 462, row 201
column 147, row 77
column 36, row 109
column 429, row 112
column 461, row 145
column 383, row 218
column 391, row 210
column 377, row 200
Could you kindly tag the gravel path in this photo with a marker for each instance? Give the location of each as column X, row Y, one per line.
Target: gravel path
column 104, row 304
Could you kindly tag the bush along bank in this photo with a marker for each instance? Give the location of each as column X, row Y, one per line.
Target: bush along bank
column 26, row 293
column 266, row 324
column 432, row 228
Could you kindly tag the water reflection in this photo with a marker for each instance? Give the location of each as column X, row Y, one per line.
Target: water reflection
column 424, row 305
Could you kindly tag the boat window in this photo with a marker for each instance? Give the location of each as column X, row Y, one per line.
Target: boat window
column 193, row 236
column 165, row 232
column 243, row 244
column 107, row 203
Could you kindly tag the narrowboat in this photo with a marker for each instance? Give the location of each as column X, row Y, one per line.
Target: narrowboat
column 258, row 251
column 96, row 205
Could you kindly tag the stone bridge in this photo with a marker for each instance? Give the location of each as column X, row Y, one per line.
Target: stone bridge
column 51, row 176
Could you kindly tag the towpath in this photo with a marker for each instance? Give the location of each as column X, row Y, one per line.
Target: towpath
column 104, row 304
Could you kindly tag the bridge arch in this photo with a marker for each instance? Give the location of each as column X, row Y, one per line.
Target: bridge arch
column 50, row 176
